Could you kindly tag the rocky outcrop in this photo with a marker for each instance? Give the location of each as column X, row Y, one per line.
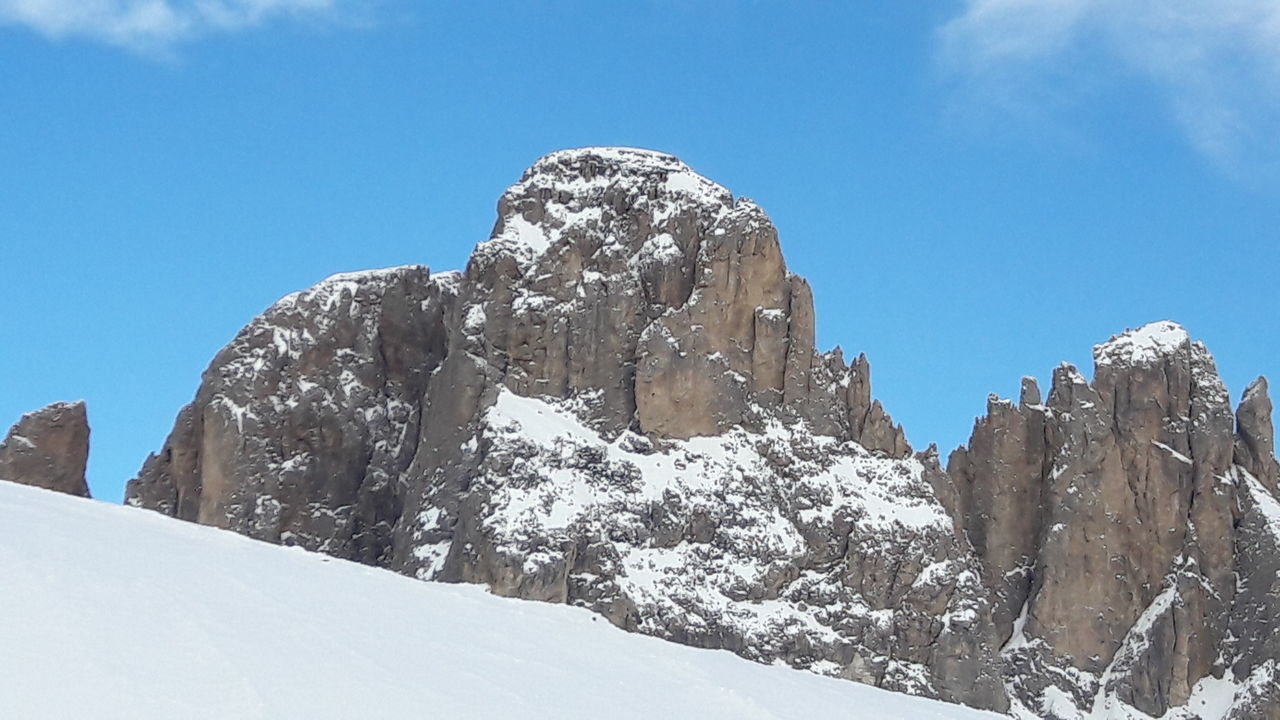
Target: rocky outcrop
column 1107, row 523
column 305, row 424
column 619, row 404
column 49, row 449
column 1003, row 519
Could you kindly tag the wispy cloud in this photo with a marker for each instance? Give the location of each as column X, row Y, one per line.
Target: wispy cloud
column 154, row 25
column 1215, row 62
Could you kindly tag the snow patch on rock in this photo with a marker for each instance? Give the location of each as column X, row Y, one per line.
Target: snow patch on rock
column 745, row 539
column 1143, row 346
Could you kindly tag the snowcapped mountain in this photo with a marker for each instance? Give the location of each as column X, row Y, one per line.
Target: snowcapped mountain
column 619, row 406
column 114, row 613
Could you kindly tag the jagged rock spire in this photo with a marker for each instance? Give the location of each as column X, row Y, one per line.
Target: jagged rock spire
column 1255, row 435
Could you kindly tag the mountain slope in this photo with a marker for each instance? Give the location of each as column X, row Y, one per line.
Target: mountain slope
column 111, row 612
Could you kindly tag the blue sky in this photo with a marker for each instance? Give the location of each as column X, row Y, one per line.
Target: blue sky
column 977, row 190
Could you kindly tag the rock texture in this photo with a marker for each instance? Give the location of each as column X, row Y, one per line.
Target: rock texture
column 1255, row 436
column 1113, row 524
column 49, row 449
column 619, row 404
column 305, row 424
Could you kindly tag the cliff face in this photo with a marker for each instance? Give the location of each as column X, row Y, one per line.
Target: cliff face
column 303, row 427
column 619, row 405
column 1117, row 525
column 49, row 449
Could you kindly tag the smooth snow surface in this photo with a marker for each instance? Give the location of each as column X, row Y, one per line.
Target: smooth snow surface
column 113, row 612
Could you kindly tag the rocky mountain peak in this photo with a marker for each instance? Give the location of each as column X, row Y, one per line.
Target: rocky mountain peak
column 49, row 448
column 304, row 424
column 619, row 404
column 591, row 176
column 1029, row 393
column 632, row 203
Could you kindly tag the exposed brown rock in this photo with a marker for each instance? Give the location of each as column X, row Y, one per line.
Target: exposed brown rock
column 1117, row 502
column 869, row 424
column 305, row 424
column 1255, row 435
column 49, row 449
column 620, row 405
column 650, row 313
column 1004, row 520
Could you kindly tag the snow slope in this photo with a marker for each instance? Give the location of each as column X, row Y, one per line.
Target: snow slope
column 115, row 612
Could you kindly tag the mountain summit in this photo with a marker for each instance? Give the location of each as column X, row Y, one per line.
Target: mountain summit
column 619, row 405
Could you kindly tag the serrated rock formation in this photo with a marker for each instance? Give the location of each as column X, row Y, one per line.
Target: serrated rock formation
column 1114, row 526
column 49, row 449
column 619, row 405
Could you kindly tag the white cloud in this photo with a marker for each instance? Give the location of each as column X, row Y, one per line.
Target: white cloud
column 1215, row 62
column 151, row 25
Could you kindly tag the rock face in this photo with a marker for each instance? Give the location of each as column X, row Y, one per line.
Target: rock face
column 619, row 404
column 1255, row 436
column 1115, row 525
column 305, row 424
column 49, row 449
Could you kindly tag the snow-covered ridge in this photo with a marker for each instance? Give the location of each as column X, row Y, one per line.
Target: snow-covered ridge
column 882, row 488
column 1143, row 346
column 1267, row 506
column 157, row 619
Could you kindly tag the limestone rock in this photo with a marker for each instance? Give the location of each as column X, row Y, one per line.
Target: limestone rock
column 1004, row 520
column 779, row 545
column 1106, row 521
column 305, row 424
column 618, row 404
column 1255, row 436
column 869, row 424
column 49, row 449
